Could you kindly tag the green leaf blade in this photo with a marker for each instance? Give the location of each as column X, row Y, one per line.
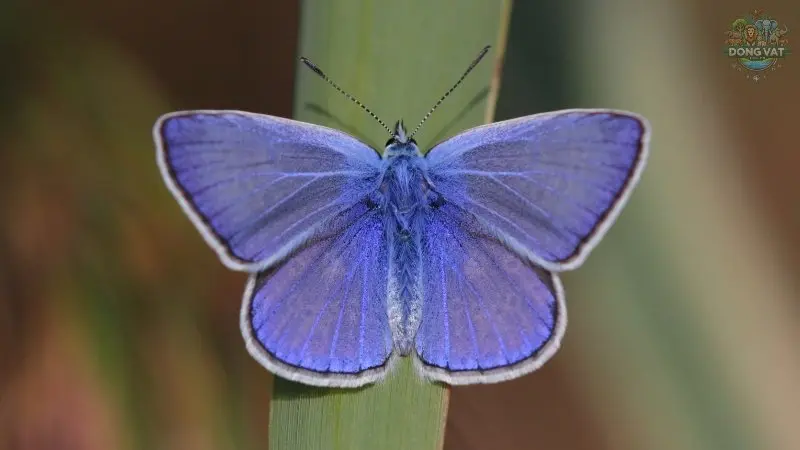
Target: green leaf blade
column 398, row 58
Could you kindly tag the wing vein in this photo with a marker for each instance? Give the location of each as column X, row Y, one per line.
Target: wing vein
column 470, row 325
column 501, row 217
column 518, row 195
column 481, row 304
column 445, row 308
column 250, row 231
column 361, row 325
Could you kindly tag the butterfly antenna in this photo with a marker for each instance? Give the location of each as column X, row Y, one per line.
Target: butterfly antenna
column 319, row 72
column 469, row 69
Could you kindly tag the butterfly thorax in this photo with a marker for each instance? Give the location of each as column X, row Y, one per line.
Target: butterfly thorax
column 404, row 188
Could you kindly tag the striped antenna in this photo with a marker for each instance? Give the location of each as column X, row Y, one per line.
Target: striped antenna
column 319, row 72
column 469, row 69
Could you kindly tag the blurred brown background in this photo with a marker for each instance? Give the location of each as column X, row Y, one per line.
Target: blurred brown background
column 119, row 327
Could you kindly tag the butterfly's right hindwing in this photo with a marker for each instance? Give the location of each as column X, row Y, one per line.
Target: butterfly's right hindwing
column 488, row 314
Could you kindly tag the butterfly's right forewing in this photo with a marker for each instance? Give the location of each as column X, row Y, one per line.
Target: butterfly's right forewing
column 549, row 185
column 257, row 186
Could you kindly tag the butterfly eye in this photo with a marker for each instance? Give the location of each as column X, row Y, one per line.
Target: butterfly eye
column 390, row 142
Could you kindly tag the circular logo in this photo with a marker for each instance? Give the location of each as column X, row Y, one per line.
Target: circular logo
column 757, row 44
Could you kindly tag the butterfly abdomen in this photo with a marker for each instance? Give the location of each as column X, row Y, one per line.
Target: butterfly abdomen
column 405, row 195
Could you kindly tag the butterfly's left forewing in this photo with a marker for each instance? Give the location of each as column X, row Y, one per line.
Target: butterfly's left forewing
column 257, row 186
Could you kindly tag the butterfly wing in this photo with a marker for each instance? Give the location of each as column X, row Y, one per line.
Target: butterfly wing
column 257, row 186
column 549, row 185
column 488, row 314
column 319, row 317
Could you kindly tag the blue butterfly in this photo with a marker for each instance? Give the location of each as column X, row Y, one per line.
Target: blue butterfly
column 357, row 257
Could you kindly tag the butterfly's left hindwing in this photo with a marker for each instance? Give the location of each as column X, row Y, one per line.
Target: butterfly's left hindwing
column 320, row 316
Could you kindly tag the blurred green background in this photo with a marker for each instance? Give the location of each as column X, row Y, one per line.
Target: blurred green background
column 119, row 327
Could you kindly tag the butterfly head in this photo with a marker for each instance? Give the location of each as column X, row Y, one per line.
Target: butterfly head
column 401, row 143
column 400, row 134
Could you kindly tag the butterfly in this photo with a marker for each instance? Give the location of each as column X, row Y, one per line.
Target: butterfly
column 357, row 258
